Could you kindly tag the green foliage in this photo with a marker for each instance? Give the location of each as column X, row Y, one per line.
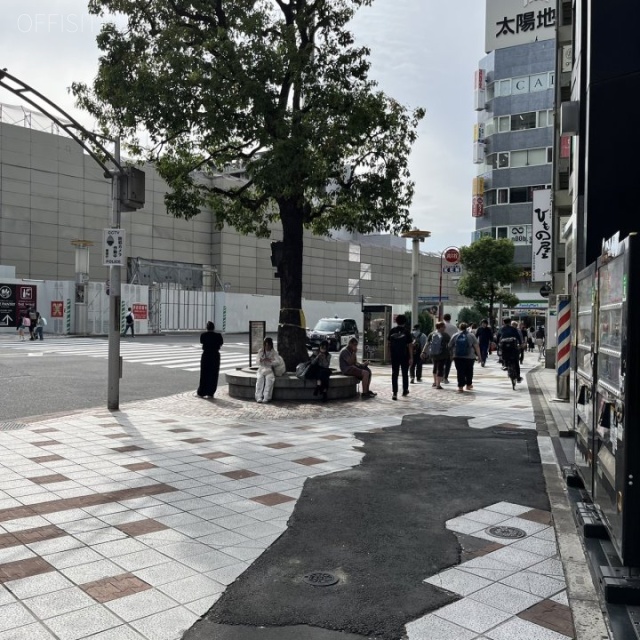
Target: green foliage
column 488, row 268
column 425, row 320
column 470, row 315
column 277, row 87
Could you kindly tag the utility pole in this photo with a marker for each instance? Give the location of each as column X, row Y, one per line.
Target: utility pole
column 115, row 294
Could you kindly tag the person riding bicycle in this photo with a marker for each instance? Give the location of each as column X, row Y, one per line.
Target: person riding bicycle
column 510, row 346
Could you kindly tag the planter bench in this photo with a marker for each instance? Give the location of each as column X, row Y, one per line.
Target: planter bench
column 242, row 385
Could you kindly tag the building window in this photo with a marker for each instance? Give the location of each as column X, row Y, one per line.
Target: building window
column 354, row 253
column 490, row 198
column 504, row 124
column 567, row 14
column 489, row 127
column 501, row 233
column 354, row 287
column 549, row 155
column 504, row 88
column 365, row 271
column 503, row 160
column 528, row 157
column 503, row 196
column 519, row 195
column 523, row 121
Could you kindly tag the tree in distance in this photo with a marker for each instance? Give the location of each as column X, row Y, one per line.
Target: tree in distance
column 278, row 87
column 488, row 269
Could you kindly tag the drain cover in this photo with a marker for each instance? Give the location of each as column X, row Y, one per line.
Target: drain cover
column 506, row 532
column 12, row 426
column 321, row 579
column 505, row 432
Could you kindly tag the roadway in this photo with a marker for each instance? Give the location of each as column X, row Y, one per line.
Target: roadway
column 66, row 374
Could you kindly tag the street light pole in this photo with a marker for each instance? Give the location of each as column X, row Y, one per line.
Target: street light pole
column 440, row 288
column 417, row 237
column 115, row 293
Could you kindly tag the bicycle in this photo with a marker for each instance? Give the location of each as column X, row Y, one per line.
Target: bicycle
column 510, row 359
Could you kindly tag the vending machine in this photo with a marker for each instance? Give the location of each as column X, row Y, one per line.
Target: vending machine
column 584, row 373
column 616, row 415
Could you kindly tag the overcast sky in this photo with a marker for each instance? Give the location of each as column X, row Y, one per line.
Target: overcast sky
column 424, row 53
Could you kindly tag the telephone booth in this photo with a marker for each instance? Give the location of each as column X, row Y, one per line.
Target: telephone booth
column 377, row 323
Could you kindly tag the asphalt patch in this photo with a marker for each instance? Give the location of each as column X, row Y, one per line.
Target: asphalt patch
column 380, row 527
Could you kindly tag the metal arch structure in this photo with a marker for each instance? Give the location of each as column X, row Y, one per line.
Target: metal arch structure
column 131, row 200
column 69, row 124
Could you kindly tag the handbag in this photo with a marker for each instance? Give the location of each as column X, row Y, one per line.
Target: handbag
column 279, row 367
column 301, row 369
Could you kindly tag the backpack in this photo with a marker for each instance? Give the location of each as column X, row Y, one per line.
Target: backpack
column 509, row 347
column 540, row 334
column 301, row 370
column 129, row 318
column 462, row 345
column 436, row 346
column 398, row 345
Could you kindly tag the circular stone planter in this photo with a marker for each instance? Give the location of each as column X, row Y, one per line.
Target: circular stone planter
column 242, row 385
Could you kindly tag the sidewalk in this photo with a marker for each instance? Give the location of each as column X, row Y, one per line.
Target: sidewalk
column 129, row 526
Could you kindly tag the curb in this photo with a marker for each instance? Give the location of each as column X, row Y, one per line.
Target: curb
column 587, row 608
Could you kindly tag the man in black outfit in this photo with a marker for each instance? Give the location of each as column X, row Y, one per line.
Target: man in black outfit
column 484, row 335
column 401, row 349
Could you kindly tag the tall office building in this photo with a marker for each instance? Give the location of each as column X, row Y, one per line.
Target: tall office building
column 514, row 138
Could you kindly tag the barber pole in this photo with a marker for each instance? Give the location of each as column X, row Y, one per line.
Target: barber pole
column 564, row 345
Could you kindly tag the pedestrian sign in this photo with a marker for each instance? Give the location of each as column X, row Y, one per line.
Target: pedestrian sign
column 113, row 248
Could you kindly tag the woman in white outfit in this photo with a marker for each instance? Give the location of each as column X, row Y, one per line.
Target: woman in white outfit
column 267, row 358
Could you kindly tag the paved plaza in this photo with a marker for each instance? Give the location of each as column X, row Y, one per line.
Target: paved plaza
column 130, row 525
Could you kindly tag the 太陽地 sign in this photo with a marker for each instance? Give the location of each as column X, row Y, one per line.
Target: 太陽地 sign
column 513, row 22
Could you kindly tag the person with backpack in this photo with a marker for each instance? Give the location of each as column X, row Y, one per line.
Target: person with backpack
column 437, row 349
column 401, row 350
column 41, row 323
column 510, row 348
column 419, row 342
column 465, row 349
column 129, row 320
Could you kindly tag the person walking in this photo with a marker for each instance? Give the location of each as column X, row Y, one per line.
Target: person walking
column 20, row 328
column 129, row 319
column 26, row 324
column 401, row 350
column 319, row 370
column 437, row 348
column 211, row 342
column 523, row 334
column 41, row 323
column 484, row 335
column 33, row 318
column 267, row 359
column 419, row 342
column 349, row 366
column 464, row 348
column 451, row 329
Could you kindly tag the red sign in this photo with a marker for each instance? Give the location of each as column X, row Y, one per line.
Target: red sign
column 477, row 208
column 139, row 311
column 565, row 147
column 57, row 309
column 452, row 255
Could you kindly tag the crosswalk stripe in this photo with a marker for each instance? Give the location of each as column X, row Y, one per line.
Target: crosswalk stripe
column 186, row 358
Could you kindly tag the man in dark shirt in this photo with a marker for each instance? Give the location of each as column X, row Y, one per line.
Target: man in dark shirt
column 510, row 336
column 401, row 349
column 484, row 335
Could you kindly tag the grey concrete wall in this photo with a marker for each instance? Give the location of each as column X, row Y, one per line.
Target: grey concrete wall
column 52, row 193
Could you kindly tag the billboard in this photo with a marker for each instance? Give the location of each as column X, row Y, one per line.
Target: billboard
column 542, row 236
column 513, row 22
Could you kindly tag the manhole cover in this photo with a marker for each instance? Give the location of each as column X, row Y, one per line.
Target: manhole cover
column 506, row 532
column 321, row 579
column 12, row 426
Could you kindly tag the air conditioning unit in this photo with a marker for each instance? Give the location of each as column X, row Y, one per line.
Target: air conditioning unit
column 570, row 118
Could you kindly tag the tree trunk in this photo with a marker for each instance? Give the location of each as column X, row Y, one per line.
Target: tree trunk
column 291, row 329
column 492, row 324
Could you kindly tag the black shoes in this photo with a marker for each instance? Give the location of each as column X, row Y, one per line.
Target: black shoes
column 405, row 393
column 394, row 396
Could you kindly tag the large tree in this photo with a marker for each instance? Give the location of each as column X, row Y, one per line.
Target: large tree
column 277, row 86
column 488, row 269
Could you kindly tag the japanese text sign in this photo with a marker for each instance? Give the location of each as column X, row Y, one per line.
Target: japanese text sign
column 542, row 240
column 514, row 22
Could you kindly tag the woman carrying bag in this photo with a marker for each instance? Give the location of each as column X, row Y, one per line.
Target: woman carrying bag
column 319, row 370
